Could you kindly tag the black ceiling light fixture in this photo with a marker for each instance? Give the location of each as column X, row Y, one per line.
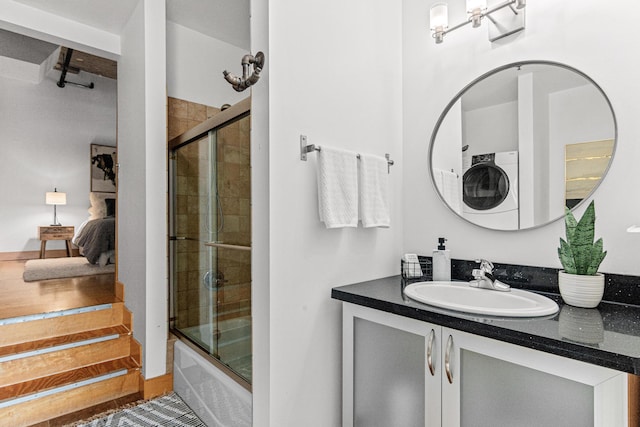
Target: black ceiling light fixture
column 63, row 75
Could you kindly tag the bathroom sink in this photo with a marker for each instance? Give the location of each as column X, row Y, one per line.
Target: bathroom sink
column 459, row 296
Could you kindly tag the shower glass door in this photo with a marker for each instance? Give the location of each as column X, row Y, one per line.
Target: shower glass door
column 211, row 244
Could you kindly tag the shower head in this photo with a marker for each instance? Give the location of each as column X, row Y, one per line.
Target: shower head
column 241, row 83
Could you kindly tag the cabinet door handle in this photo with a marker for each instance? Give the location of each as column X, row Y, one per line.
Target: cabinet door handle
column 432, row 337
column 447, row 360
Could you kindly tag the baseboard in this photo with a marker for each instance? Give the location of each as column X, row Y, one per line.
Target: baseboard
column 19, row 256
column 26, row 255
column 157, row 386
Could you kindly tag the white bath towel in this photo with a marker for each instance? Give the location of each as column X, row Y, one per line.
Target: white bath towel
column 374, row 191
column 338, row 187
column 449, row 186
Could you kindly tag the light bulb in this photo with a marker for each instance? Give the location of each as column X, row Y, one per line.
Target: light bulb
column 439, row 17
column 475, row 9
column 438, row 21
column 474, row 5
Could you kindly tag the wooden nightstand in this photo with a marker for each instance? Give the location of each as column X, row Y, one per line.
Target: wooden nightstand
column 51, row 232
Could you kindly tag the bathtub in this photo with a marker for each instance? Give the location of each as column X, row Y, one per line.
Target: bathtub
column 218, row 400
column 233, row 346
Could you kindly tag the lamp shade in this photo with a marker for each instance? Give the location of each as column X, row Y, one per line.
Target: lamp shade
column 439, row 16
column 56, row 198
column 476, row 4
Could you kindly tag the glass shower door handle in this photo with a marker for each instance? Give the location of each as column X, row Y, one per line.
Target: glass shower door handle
column 228, row 246
column 214, row 283
column 191, row 239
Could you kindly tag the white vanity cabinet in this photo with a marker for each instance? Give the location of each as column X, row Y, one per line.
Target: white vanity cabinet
column 403, row 372
column 387, row 378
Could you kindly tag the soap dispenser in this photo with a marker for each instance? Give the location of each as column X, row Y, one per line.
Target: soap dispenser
column 441, row 262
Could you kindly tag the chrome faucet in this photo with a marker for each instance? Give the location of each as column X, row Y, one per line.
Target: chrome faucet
column 483, row 278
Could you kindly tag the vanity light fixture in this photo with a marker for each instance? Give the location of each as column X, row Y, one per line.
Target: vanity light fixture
column 503, row 22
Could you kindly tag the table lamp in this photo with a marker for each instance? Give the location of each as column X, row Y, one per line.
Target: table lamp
column 55, row 198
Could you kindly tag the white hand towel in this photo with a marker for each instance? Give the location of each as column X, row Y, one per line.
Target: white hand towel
column 449, row 186
column 374, row 191
column 338, row 187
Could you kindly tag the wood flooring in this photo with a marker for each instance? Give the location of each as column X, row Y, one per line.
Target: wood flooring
column 20, row 298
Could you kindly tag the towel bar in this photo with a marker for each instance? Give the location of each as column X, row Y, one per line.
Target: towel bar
column 308, row 148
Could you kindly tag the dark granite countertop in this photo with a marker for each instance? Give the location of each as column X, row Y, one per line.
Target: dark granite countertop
column 608, row 335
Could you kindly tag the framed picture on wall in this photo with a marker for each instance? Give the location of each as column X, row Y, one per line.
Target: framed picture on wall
column 103, row 168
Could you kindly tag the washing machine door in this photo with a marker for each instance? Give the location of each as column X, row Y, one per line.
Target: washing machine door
column 484, row 186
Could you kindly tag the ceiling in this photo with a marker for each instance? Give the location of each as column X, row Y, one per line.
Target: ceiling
column 110, row 16
column 30, row 59
column 225, row 20
column 23, row 48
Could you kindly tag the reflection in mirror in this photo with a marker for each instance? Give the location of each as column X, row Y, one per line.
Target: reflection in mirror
column 585, row 164
column 520, row 143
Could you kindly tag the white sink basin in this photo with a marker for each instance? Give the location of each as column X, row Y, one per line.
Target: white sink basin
column 459, row 296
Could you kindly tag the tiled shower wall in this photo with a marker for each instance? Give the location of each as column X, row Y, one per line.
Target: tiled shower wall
column 234, row 188
column 193, row 299
column 183, row 115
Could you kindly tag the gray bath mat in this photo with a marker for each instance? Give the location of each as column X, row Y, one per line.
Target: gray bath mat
column 56, row 268
column 167, row 410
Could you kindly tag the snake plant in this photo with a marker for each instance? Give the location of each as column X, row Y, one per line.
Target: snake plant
column 579, row 254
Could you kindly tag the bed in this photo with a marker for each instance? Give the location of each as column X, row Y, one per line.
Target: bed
column 96, row 236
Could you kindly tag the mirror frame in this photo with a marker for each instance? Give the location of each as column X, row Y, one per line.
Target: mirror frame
column 459, row 95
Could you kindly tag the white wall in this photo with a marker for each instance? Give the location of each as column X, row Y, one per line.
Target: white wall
column 491, row 129
column 556, row 31
column 142, row 180
column 334, row 75
column 45, row 136
column 194, row 67
column 260, row 219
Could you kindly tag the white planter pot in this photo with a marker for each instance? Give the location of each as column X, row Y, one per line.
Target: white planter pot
column 581, row 291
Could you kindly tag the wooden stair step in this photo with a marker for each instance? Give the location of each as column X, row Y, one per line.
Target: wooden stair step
column 33, row 327
column 65, row 359
column 65, row 402
column 57, row 380
column 49, row 344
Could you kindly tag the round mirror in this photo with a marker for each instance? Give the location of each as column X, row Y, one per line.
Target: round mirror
column 520, row 143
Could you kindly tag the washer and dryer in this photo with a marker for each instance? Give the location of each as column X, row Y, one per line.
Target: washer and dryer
column 490, row 191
